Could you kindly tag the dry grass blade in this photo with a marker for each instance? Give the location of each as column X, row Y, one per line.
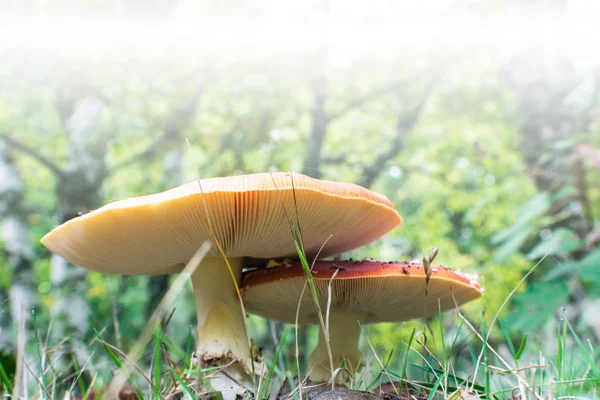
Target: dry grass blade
column 425, row 360
column 520, row 379
column 222, row 253
column 20, row 368
column 295, row 207
column 326, row 331
column 127, row 359
column 375, row 353
column 423, row 345
column 115, row 321
column 298, row 317
column 39, row 381
column 427, row 260
column 496, row 316
column 302, row 255
column 138, row 348
column 172, row 363
column 296, row 332
column 512, row 371
column 84, row 368
column 328, row 309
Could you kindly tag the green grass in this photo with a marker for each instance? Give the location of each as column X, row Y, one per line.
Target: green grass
column 165, row 368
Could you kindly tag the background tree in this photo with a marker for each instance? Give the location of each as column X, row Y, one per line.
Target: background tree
column 17, row 249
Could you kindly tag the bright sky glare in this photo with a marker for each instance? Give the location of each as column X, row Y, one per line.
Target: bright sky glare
column 348, row 28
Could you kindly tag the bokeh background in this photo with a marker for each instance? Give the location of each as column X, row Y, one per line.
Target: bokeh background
column 480, row 120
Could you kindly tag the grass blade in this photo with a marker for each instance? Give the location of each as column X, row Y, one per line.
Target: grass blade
column 118, row 363
column 507, row 337
column 264, row 389
column 4, row 379
column 457, row 380
column 435, row 386
column 186, row 390
column 39, row 352
column 156, row 363
column 521, row 348
column 405, row 363
column 380, row 373
column 592, row 364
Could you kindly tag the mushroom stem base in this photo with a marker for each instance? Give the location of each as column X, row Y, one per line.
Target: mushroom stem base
column 222, row 338
column 344, row 332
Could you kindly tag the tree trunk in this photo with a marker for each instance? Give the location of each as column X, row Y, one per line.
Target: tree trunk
column 78, row 191
column 404, row 124
column 312, row 166
column 18, row 250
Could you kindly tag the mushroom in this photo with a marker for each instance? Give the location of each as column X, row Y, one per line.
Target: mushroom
column 159, row 234
column 362, row 292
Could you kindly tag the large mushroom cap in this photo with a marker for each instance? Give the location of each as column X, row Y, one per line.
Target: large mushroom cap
column 382, row 291
column 159, row 233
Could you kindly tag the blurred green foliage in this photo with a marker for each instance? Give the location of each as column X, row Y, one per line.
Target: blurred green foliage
column 459, row 178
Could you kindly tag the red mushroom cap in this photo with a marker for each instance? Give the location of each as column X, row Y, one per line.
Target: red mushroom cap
column 383, row 291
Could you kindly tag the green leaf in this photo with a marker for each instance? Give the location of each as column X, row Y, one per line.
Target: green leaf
column 588, row 268
column 536, row 306
column 511, row 246
column 565, row 191
column 473, row 211
column 535, row 207
column 521, row 348
column 562, row 270
column 507, row 233
column 562, row 241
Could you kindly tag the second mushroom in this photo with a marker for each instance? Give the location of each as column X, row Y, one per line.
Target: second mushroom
column 362, row 292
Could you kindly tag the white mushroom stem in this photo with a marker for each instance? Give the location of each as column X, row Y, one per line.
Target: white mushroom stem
column 222, row 338
column 344, row 332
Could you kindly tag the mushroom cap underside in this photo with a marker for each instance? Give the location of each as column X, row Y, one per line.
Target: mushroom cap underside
column 382, row 291
column 159, row 233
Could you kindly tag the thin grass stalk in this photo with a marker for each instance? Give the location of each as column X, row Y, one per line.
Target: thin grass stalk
column 235, row 283
column 296, row 234
column 148, row 331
